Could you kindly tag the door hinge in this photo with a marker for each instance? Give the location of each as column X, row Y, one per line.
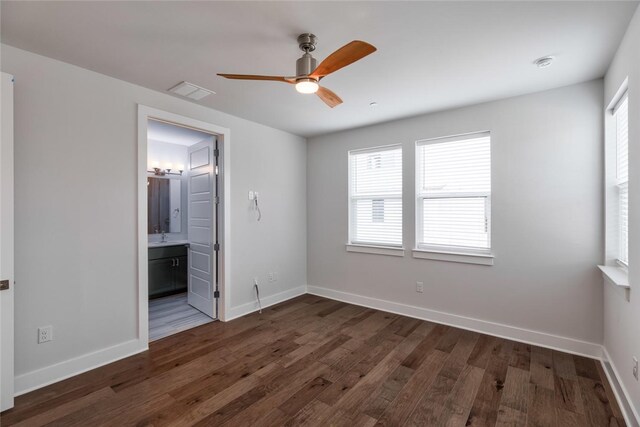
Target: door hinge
column 216, row 152
column 217, row 200
column 216, row 247
column 216, row 294
column 4, row 285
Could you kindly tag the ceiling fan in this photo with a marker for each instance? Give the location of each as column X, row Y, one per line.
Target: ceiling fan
column 308, row 74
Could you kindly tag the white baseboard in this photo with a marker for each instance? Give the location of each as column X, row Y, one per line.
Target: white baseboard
column 541, row 339
column 39, row 378
column 631, row 416
column 244, row 309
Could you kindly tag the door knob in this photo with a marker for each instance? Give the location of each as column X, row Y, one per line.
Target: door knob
column 4, row 285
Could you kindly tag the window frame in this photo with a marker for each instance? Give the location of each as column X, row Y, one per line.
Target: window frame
column 420, row 196
column 350, row 198
column 624, row 97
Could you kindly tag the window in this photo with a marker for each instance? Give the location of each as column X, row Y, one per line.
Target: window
column 454, row 194
column 621, row 120
column 375, row 192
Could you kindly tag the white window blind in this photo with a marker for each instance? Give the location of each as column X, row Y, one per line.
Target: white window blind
column 621, row 114
column 375, row 193
column 454, row 193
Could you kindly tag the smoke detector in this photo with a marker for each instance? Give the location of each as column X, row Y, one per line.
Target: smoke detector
column 189, row 90
column 544, row 62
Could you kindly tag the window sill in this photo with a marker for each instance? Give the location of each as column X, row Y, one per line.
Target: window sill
column 376, row 250
column 466, row 258
column 617, row 277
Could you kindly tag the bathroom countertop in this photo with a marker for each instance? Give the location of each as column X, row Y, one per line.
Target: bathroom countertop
column 168, row 243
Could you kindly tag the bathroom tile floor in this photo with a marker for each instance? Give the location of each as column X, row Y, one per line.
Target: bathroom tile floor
column 172, row 314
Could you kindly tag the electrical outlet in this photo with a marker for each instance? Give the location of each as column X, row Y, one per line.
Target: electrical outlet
column 251, row 195
column 635, row 368
column 45, row 334
column 270, row 277
column 419, row 287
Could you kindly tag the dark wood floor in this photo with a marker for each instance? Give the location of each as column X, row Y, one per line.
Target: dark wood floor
column 313, row 361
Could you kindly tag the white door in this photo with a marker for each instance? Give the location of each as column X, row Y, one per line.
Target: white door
column 202, row 230
column 6, row 242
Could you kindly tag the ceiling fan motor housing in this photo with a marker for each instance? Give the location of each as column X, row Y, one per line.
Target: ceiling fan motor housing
column 305, row 65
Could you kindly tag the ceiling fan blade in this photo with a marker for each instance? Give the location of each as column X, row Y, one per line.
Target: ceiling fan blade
column 329, row 98
column 347, row 54
column 255, row 77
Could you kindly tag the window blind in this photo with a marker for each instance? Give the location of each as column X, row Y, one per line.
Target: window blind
column 376, row 196
column 454, row 193
column 621, row 113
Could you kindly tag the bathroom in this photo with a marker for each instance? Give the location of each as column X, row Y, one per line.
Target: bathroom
column 182, row 226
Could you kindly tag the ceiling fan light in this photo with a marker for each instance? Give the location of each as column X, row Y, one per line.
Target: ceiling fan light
column 307, row 86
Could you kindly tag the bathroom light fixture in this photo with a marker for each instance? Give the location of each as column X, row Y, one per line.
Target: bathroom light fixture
column 156, row 170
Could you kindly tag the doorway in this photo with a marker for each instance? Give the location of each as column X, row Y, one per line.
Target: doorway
column 181, row 223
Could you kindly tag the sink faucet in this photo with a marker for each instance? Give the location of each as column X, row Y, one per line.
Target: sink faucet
column 164, row 237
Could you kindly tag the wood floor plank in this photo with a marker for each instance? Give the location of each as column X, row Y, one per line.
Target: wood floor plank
column 564, row 366
column 597, row 407
column 509, row 417
column 481, row 353
column 456, row 407
column 541, row 367
column 541, row 411
column 615, row 408
column 70, row 407
column 521, row 356
column 516, row 389
column 313, row 361
column 417, row 356
column 568, row 396
column 485, row 407
column 399, row 411
column 586, row 368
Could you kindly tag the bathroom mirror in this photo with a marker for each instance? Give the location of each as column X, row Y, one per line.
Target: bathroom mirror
column 164, row 205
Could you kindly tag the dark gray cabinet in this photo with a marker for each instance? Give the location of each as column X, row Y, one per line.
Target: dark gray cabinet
column 168, row 269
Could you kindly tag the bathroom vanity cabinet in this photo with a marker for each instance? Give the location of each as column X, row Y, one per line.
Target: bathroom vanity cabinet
column 168, row 269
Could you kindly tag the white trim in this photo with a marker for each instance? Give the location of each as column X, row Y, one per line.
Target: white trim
column 622, row 91
column 377, row 250
column 387, row 147
column 42, row 377
column 223, row 134
column 629, row 412
column 617, row 277
column 453, row 138
column 7, row 252
column 466, row 258
column 542, row 339
column 250, row 307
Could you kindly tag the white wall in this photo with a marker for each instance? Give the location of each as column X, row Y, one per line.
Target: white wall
column 621, row 317
column 546, row 220
column 76, row 207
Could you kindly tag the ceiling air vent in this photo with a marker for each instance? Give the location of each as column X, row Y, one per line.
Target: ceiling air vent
column 189, row 90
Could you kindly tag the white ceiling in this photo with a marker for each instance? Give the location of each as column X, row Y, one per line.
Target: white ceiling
column 431, row 55
column 165, row 132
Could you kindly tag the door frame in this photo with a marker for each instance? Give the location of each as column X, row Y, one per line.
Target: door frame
column 7, row 298
column 223, row 136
